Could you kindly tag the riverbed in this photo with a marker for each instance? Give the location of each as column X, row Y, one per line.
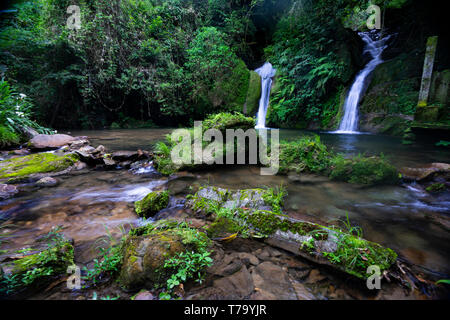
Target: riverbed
column 88, row 204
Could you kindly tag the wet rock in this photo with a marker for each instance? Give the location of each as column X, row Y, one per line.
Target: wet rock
column 100, row 149
column 152, row 203
column 47, row 182
column 80, row 165
column 427, row 172
column 237, row 286
column 181, row 183
column 36, row 165
column 77, row 144
column 144, row 295
column 109, row 162
column 20, row 152
column 125, row 156
column 271, row 280
column 7, row 191
column 46, row 141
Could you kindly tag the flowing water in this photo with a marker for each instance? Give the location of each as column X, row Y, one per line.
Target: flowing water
column 266, row 72
column 374, row 46
column 405, row 218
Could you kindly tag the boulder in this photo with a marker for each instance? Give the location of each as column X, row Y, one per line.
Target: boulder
column 7, row 191
column 47, row 182
column 36, row 165
column 152, row 203
column 37, row 268
column 47, row 141
column 426, row 172
column 146, row 250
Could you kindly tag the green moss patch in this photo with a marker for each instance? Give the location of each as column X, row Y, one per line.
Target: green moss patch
column 152, row 203
column 23, row 167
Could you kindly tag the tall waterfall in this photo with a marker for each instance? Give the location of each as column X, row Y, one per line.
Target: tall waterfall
column 375, row 47
column 267, row 72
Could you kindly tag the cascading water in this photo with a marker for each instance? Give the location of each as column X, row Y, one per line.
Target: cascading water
column 266, row 72
column 375, row 47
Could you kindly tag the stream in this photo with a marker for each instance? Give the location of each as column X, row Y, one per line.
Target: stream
column 85, row 204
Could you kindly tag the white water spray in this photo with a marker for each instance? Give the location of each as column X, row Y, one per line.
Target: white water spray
column 349, row 123
column 266, row 72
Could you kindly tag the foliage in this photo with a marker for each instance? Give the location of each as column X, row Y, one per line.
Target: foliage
column 36, row 269
column 110, row 262
column 167, row 62
column 16, row 110
column 364, row 170
column 307, row 154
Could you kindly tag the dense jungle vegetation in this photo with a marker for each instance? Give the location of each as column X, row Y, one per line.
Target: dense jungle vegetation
column 145, row 63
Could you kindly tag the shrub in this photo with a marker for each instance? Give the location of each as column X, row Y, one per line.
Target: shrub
column 307, row 154
column 364, row 170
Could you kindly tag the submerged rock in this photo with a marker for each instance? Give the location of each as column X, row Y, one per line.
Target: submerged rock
column 7, row 191
column 152, row 203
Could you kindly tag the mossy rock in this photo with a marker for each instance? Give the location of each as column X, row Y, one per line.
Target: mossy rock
column 36, row 270
column 152, row 203
column 253, row 94
column 147, row 248
column 427, row 113
column 208, row 199
column 364, row 170
column 26, row 166
column 224, row 120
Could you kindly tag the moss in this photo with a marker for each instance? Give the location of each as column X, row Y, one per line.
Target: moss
column 436, row 187
column 364, row 170
column 355, row 255
column 307, row 154
column 253, row 94
column 223, row 121
column 152, row 203
column 38, row 269
column 23, row 167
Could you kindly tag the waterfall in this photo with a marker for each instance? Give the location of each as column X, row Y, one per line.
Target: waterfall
column 266, row 72
column 375, row 47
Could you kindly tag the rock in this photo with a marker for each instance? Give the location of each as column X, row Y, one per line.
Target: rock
column 237, row 286
column 426, row 172
column 7, row 191
column 248, row 258
column 144, row 256
column 146, row 249
column 47, row 182
column 20, row 152
column 36, row 165
column 100, row 149
column 315, row 276
column 272, row 279
column 80, row 165
column 125, row 156
column 28, row 132
column 44, row 265
column 144, row 295
column 302, row 292
column 46, row 141
column 109, row 162
column 152, row 203
column 77, row 144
